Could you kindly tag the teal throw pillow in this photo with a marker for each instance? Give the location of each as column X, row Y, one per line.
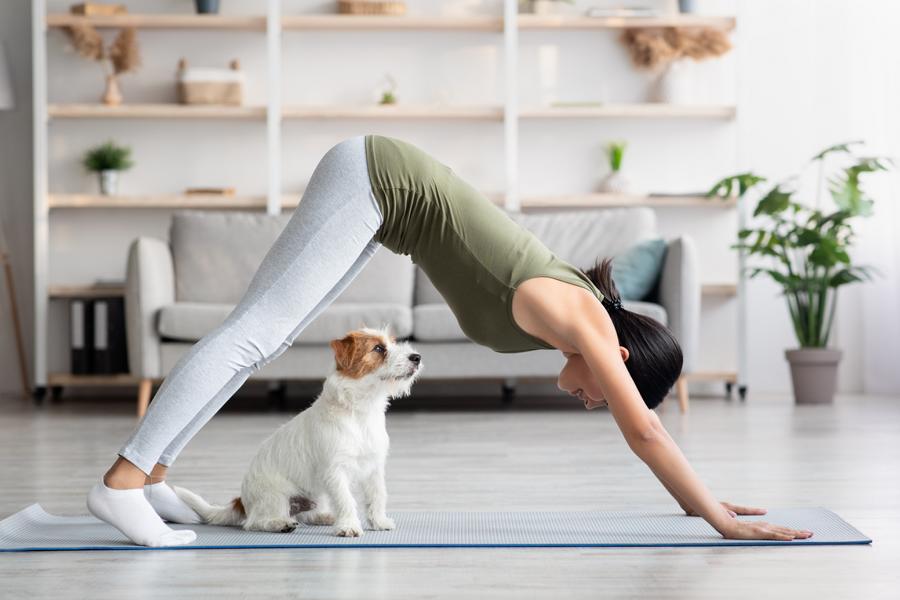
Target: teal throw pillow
column 637, row 269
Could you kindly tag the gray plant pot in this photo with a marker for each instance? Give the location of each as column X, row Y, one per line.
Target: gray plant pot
column 814, row 374
column 109, row 182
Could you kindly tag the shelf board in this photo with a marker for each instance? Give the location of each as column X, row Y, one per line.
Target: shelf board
column 726, row 376
column 154, row 111
column 215, row 201
column 719, row 289
column 397, row 111
column 85, row 291
column 529, row 21
column 642, row 111
column 391, row 22
column 598, row 200
column 162, row 21
column 72, row 379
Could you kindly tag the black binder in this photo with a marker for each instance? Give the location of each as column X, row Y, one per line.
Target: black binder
column 109, row 351
column 81, row 339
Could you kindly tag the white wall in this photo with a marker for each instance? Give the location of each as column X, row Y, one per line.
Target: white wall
column 785, row 76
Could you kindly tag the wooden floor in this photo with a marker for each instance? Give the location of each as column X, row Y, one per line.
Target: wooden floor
column 464, row 455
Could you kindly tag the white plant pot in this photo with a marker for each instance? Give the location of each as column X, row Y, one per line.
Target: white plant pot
column 109, row 182
column 673, row 85
column 615, row 182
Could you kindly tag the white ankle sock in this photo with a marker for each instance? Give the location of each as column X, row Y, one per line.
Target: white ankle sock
column 168, row 505
column 131, row 513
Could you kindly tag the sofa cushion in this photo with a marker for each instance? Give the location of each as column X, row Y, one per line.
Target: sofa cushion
column 648, row 309
column 636, row 271
column 216, row 254
column 190, row 321
column 579, row 237
column 436, row 323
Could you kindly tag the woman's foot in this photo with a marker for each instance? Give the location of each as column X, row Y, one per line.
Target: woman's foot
column 130, row 512
column 168, row 505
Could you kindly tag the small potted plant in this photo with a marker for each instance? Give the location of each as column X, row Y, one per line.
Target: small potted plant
column 805, row 250
column 615, row 181
column 389, row 94
column 107, row 160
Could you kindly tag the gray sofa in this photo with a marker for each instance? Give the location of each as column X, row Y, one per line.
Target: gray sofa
column 176, row 291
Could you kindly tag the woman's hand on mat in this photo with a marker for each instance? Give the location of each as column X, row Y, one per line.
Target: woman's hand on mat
column 733, row 510
column 759, row 530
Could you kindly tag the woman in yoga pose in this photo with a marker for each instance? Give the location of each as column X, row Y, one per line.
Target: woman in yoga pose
column 506, row 289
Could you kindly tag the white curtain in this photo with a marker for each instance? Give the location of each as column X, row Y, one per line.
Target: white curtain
column 875, row 115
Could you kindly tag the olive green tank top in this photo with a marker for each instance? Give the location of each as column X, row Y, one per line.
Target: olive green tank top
column 471, row 250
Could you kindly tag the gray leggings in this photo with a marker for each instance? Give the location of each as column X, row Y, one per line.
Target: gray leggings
column 325, row 244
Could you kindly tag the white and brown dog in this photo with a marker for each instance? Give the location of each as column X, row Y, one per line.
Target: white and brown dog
column 311, row 466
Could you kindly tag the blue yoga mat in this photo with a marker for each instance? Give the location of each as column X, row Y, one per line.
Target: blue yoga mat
column 34, row 529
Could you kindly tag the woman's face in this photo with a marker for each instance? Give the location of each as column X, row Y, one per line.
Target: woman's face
column 577, row 379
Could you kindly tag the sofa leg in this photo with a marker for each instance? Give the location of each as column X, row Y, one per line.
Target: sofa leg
column 508, row 391
column 681, row 388
column 145, row 387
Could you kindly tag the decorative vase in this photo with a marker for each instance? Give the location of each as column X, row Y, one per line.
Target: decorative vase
column 814, row 374
column 686, row 6
column 672, row 85
column 615, row 183
column 109, row 182
column 207, row 7
column 112, row 96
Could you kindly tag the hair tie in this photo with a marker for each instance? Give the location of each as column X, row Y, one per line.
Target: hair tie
column 615, row 304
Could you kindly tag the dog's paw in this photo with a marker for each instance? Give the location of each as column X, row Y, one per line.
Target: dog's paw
column 381, row 523
column 273, row 526
column 318, row 519
column 348, row 529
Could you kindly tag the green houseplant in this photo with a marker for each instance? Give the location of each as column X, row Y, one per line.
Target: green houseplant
column 805, row 250
column 107, row 160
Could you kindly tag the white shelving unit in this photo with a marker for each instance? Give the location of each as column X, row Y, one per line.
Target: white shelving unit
column 272, row 26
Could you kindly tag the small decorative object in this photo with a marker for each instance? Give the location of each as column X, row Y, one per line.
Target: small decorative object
column 122, row 56
column 807, row 251
column 660, row 48
column 207, row 7
column 686, row 6
column 96, row 9
column 107, row 160
column 615, row 182
column 371, row 7
column 547, row 7
column 389, row 95
column 211, row 86
column 210, row 191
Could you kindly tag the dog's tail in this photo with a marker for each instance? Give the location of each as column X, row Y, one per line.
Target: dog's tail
column 232, row 514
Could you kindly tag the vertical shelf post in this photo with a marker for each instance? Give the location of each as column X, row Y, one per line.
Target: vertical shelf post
column 41, row 212
column 511, row 102
column 273, row 107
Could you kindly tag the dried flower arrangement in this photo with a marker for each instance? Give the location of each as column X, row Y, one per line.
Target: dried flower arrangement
column 121, row 56
column 658, row 46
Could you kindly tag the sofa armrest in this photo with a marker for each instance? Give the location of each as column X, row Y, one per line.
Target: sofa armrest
column 149, row 285
column 679, row 293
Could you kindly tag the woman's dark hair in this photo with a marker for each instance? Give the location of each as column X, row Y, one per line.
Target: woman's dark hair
column 654, row 355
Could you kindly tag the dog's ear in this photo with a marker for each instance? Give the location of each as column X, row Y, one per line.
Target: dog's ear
column 343, row 351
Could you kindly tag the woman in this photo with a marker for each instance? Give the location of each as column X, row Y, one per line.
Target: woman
column 507, row 290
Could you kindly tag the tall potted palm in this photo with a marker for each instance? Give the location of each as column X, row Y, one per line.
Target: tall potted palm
column 805, row 250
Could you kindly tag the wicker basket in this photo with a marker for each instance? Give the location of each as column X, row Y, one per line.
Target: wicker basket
column 227, row 91
column 371, row 7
